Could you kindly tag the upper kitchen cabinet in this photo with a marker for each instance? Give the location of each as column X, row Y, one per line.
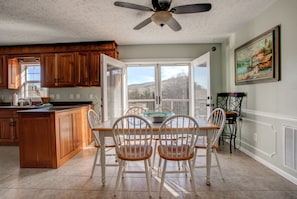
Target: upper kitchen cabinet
column 3, row 71
column 57, row 69
column 14, row 73
column 82, row 75
column 88, row 67
column 62, row 65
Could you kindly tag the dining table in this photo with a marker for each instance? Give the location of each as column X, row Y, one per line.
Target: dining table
column 105, row 130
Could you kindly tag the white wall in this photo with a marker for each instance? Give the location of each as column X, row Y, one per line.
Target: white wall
column 269, row 106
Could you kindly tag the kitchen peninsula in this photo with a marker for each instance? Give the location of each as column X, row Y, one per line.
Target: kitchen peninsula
column 50, row 136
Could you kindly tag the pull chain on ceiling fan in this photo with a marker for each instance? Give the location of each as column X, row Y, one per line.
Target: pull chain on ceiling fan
column 162, row 14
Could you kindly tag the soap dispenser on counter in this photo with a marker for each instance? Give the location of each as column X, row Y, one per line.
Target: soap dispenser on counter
column 15, row 99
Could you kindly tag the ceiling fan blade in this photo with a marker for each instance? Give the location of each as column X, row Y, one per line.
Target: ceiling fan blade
column 192, row 8
column 173, row 24
column 143, row 23
column 132, row 6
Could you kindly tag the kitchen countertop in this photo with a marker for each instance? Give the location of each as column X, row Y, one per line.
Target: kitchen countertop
column 51, row 109
column 22, row 107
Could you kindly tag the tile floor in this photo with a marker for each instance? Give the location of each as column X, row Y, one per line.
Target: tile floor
column 244, row 179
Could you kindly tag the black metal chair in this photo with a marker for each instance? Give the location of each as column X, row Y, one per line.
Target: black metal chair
column 231, row 104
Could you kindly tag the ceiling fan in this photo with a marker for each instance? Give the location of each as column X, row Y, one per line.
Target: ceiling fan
column 162, row 14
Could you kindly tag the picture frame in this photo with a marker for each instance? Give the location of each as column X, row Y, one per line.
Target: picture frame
column 258, row 60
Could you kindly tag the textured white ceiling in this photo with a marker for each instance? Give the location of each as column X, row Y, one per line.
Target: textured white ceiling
column 59, row 21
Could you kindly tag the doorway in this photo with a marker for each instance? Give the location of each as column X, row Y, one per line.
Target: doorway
column 180, row 88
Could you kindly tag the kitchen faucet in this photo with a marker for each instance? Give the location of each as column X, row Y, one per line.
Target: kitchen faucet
column 22, row 100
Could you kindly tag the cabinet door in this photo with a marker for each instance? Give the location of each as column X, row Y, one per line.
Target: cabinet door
column 6, row 130
column 77, row 130
column 13, row 73
column 65, row 69
column 3, row 72
column 64, row 132
column 48, row 73
column 8, row 127
column 86, row 131
column 95, row 68
column 82, row 69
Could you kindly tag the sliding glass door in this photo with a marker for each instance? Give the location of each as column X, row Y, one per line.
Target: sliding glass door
column 141, row 86
column 159, row 87
column 180, row 88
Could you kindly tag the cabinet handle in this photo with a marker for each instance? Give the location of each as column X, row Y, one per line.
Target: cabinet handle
column 12, row 123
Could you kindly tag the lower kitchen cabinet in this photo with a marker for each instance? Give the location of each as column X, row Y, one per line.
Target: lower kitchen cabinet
column 8, row 127
column 49, row 139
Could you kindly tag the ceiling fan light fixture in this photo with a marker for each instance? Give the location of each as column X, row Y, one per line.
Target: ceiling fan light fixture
column 161, row 17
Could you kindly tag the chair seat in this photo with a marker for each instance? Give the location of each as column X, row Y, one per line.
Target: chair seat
column 214, row 146
column 135, row 152
column 175, row 153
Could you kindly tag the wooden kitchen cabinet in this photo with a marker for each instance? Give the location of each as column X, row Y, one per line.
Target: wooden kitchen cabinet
column 57, row 69
column 3, row 71
column 14, row 72
column 87, row 134
column 69, row 134
column 9, row 132
column 49, row 139
column 82, row 74
column 62, row 65
column 88, row 67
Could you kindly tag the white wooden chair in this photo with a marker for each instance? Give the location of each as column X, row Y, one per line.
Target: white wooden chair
column 133, row 139
column 93, row 120
column 217, row 117
column 135, row 110
column 177, row 137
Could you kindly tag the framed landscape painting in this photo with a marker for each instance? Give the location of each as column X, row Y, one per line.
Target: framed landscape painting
column 258, row 60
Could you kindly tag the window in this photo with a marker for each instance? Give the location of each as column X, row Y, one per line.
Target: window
column 159, row 87
column 30, row 80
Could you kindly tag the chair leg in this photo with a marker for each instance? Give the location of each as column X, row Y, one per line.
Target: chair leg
column 163, row 178
column 155, row 151
column 95, row 162
column 148, row 176
column 194, row 159
column 231, row 143
column 218, row 163
column 234, row 136
column 192, row 178
column 159, row 166
column 120, row 173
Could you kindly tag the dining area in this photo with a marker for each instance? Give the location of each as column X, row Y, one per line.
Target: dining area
column 243, row 178
column 159, row 140
column 178, row 157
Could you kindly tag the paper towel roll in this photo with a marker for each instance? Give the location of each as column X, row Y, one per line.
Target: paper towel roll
column 15, row 99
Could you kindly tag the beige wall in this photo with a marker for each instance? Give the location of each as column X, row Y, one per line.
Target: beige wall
column 270, row 107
